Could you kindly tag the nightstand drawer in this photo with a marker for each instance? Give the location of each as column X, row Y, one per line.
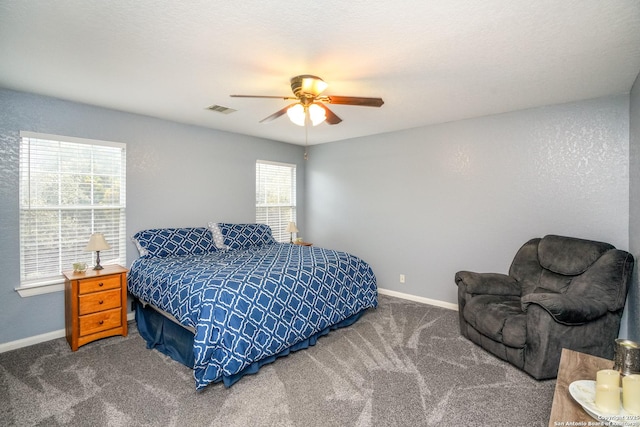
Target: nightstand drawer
column 99, row 284
column 92, row 323
column 99, row 301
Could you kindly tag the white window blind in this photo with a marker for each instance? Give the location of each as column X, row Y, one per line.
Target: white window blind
column 69, row 189
column 276, row 196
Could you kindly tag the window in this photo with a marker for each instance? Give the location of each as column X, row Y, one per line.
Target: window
column 276, row 196
column 69, row 189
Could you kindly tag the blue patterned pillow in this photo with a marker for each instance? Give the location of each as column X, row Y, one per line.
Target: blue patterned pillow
column 240, row 236
column 164, row 242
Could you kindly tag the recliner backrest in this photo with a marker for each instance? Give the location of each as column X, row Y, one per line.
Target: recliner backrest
column 607, row 279
column 569, row 256
column 557, row 264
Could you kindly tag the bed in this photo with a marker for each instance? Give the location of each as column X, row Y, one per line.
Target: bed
column 227, row 298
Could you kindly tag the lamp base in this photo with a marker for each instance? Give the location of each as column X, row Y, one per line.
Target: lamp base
column 98, row 266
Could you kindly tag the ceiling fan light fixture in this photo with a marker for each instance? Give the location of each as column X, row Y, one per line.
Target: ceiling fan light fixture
column 297, row 114
column 313, row 85
column 317, row 114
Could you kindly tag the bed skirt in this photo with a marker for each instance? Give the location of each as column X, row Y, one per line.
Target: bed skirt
column 174, row 340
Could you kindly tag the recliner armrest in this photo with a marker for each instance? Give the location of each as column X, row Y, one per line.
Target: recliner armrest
column 488, row 283
column 566, row 309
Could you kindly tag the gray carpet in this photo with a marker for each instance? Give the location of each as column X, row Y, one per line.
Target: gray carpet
column 403, row 364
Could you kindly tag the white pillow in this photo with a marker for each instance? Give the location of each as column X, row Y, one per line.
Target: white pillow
column 218, row 238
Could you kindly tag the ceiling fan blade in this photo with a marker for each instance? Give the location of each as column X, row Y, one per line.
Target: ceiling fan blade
column 332, row 118
column 277, row 114
column 263, row 96
column 353, row 100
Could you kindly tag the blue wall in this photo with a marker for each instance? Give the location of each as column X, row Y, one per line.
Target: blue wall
column 177, row 175
column 465, row 195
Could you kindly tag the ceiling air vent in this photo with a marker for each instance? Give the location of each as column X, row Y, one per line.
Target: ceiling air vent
column 221, row 109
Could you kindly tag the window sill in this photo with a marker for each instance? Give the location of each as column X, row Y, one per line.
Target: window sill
column 45, row 288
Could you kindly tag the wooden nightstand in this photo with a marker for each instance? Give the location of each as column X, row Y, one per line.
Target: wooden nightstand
column 303, row 243
column 95, row 304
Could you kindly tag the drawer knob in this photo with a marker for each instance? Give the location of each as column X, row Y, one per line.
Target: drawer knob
column 100, row 302
column 100, row 284
column 101, row 322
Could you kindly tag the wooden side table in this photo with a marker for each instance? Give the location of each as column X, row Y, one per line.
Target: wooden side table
column 303, row 243
column 574, row 366
column 95, row 304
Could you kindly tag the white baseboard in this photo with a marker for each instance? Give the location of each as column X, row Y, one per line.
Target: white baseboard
column 415, row 298
column 25, row 342
column 37, row 339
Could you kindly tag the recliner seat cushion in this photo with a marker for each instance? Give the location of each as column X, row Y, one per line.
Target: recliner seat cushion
column 498, row 317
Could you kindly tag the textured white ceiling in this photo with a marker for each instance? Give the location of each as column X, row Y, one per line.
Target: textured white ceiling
column 431, row 61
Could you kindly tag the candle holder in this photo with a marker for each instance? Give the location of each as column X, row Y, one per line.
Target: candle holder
column 627, row 357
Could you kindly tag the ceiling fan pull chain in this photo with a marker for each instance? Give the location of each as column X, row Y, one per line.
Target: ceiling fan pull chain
column 306, row 140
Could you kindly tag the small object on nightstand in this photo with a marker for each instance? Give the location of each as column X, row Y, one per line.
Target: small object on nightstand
column 95, row 304
column 79, row 267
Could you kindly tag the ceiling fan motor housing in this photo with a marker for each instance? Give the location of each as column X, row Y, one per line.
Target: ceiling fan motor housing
column 307, row 87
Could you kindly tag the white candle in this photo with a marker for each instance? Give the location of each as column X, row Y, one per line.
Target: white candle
column 608, row 377
column 631, row 394
column 608, row 399
column 608, row 391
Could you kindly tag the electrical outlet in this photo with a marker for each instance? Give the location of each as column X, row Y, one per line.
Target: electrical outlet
column 402, row 278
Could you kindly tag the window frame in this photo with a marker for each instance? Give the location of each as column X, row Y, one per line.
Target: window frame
column 55, row 282
column 278, row 226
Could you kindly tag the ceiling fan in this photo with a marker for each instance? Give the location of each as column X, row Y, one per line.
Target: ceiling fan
column 310, row 104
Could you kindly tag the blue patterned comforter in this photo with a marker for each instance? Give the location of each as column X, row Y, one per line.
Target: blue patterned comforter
column 249, row 304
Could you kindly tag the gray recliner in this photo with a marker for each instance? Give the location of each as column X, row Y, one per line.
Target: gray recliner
column 561, row 292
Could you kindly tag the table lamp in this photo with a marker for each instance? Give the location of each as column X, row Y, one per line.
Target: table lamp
column 291, row 228
column 97, row 244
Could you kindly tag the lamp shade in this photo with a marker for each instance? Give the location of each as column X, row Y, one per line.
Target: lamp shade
column 317, row 114
column 297, row 114
column 291, row 227
column 97, row 243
